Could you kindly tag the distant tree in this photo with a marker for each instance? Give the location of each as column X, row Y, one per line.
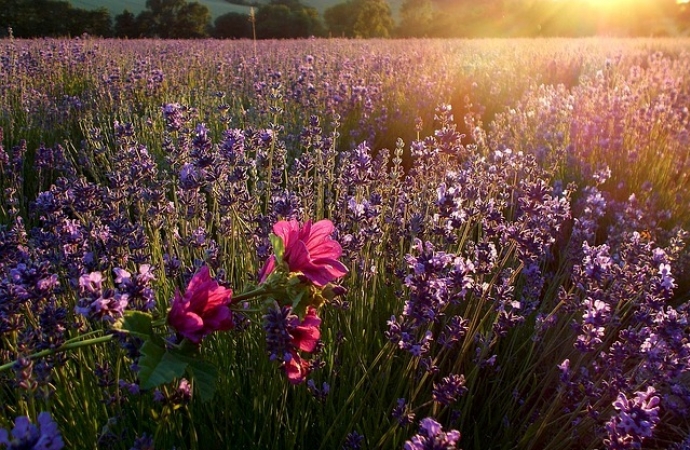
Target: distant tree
column 35, row 18
column 232, row 26
column 192, row 21
column 416, row 18
column 10, row 16
column 310, row 20
column 360, row 18
column 340, row 19
column 174, row 19
column 272, row 21
column 560, row 19
column 92, row 22
column 287, row 19
column 374, row 19
column 126, row 25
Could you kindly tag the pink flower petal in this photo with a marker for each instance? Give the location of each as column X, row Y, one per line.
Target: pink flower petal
column 328, row 249
column 267, row 269
column 296, row 369
column 322, row 228
column 299, row 258
column 305, row 231
column 199, row 278
column 287, row 231
column 334, row 267
column 306, row 335
column 202, row 309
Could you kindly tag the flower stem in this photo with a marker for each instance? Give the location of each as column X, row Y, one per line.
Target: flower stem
column 62, row 348
column 258, row 292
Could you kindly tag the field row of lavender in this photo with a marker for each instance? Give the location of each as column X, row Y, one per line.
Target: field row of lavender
column 344, row 244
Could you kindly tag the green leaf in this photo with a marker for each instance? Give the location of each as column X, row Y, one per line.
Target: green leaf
column 298, row 306
column 278, row 248
column 205, row 376
column 158, row 366
column 136, row 323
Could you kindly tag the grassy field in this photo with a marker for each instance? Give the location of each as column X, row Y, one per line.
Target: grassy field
column 506, row 267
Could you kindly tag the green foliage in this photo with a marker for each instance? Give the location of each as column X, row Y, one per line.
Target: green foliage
column 374, row 19
column 287, row 20
column 158, row 366
column 126, row 25
column 176, row 19
column 37, row 18
column 340, row 19
column 166, row 19
column 360, row 18
column 232, row 26
column 416, row 18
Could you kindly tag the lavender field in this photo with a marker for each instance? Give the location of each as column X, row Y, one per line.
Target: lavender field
column 345, row 244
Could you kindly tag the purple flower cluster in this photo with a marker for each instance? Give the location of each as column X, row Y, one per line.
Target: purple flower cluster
column 97, row 302
column 26, row 435
column 449, row 389
column 432, row 437
column 634, row 421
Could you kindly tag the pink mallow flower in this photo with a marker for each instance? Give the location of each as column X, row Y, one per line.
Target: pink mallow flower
column 304, row 337
column 203, row 309
column 309, row 250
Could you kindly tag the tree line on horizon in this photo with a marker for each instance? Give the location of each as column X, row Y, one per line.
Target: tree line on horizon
column 287, row 19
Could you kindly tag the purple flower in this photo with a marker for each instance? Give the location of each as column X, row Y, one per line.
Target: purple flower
column 27, row 436
column 353, row 441
column 635, row 420
column 402, row 413
column 432, row 437
column 449, row 389
column 98, row 303
column 173, row 115
column 143, row 442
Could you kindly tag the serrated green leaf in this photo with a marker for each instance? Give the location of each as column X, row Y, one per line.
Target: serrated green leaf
column 205, row 376
column 278, row 248
column 158, row 366
column 136, row 323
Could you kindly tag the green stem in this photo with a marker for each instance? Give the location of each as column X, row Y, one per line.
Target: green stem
column 259, row 291
column 62, row 348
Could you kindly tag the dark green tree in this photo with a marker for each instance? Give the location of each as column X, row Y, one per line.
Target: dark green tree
column 36, row 18
column 192, row 21
column 360, row 18
column 287, row 19
column 174, row 19
column 126, row 25
column 340, row 19
column 92, row 22
column 232, row 26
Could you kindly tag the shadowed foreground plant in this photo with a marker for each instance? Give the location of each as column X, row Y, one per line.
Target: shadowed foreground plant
column 298, row 280
column 26, row 435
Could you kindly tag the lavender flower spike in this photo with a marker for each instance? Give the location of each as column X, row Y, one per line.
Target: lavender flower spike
column 432, row 437
column 26, row 435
